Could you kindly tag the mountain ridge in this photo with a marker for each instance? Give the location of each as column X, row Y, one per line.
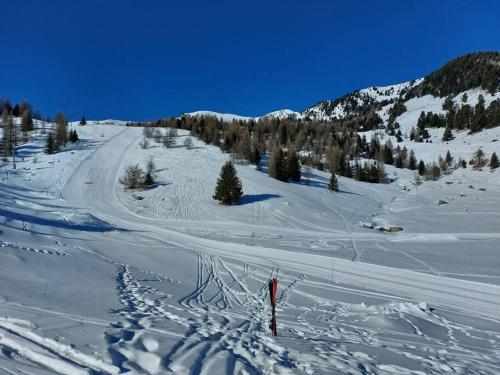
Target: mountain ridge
column 479, row 70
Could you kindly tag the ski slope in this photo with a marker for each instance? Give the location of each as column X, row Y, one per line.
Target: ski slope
column 95, row 281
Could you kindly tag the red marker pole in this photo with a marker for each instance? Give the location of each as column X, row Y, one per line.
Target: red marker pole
column 273, row 287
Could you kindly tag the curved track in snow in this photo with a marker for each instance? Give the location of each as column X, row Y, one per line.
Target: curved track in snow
column 100, row 198
column 204, row 309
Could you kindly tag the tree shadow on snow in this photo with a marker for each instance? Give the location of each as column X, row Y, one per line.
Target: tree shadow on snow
column 89, row 224
column 253, row 198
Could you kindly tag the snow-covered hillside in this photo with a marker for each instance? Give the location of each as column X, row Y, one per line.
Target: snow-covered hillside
column 98, row 280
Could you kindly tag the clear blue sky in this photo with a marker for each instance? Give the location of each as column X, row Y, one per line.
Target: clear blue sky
column 148, row 59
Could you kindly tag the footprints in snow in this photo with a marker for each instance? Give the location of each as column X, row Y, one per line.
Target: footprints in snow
column 15, row 246
column 224, row 321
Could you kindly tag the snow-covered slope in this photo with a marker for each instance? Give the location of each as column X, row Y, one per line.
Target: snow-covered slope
column 98, row 280
column 102, row 122
column 228, row 117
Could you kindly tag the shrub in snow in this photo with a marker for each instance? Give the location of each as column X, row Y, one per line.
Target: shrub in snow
column 188, row 143
column 333, row 184
column 494, row 161
column 133, row 177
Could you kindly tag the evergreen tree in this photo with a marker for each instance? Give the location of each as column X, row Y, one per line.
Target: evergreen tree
column 73, row 136
column 228, row 189
column 277, row 165
column 83, row 121
column 16, row 111
column 494, row 161
column 382, row 176
column 333, row 185
column 388, row 158
column 447, row 135
column 372, row 170
column 448, row 158
column 256, row 156
column 347, row 169
column 150, row 166
column 448, row 104
column 359, row 173
column 50, row 146
column 7, row 134
column 412, row 161
column 421, row 168
column 479, row 120
column 149, row 179
column 293, row 166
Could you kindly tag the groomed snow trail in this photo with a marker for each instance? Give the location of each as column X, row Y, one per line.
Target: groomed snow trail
column 186, row 288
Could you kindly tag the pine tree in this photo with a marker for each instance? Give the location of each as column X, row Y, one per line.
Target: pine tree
column 16, row 111
column 347, row 169
column 73, row 136
column 412, row 161
column 421, row 168
column 494, row 161
column 398, row 163
column 448, row 158
column 256, row 156
column 150, row 166
column 359, row 173
column 333, row 184
column 7, row 134
column 293, row 166
column 83, row 121
column 228, row 189
column 447, row 135
column 149, row 179
column 388, row 158
column 382, row 176
column 50, row 146
column 373, row 175
column 277, row 165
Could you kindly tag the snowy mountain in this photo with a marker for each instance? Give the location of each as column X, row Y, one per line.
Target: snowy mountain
column 472, row 74
column 228, row 117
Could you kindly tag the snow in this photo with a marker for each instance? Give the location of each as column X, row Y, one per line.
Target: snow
column 93, row 280
column 377, row 93
column 380, row 93
column 283, row 114
column 228, row 117
column 463, row 145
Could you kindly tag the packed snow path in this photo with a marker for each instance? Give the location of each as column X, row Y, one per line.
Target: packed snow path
column 185, row 292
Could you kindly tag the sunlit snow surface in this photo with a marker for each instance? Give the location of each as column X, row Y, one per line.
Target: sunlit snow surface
column 95, row 281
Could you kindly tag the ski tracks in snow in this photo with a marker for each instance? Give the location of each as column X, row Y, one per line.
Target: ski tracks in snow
column 221, row 327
